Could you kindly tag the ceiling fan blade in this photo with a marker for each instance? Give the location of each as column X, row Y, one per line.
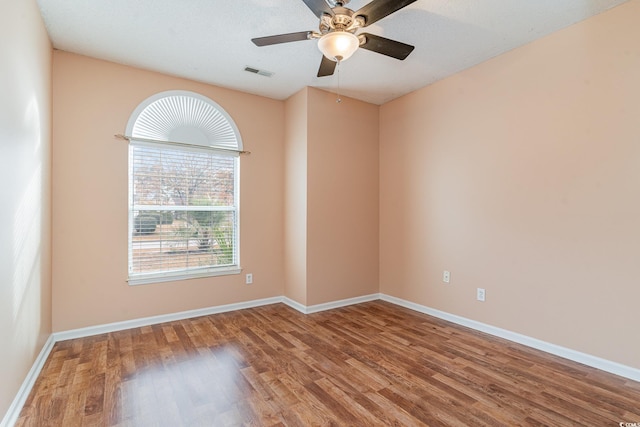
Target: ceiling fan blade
column 327, row 67
column 319, row 7
column 386, row 46
column 281, row 38
column 378, row 9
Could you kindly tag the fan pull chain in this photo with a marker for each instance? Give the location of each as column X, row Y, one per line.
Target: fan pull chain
column 338, row 100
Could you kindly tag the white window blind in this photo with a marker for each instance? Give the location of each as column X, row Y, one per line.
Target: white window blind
column 183, row 211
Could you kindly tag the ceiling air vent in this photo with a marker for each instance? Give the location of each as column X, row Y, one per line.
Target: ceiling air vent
column 257, row 71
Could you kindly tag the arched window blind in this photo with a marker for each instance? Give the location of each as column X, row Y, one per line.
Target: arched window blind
column 183, row 189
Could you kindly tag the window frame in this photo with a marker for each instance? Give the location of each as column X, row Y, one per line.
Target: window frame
column 212, row 148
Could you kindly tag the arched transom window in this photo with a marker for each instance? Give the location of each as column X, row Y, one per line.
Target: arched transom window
column 183, row 189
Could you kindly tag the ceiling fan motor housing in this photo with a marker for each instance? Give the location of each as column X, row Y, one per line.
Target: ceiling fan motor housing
column 342, row 20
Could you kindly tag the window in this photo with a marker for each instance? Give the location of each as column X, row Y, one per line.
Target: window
column 183, row 189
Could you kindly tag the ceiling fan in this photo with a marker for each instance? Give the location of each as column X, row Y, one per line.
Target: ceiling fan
column 337, row 38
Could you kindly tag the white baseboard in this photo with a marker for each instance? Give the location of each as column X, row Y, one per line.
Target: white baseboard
column 13, row 413
column 329, row 305
column 295, row 305
column 567, row 353
column 146, row 321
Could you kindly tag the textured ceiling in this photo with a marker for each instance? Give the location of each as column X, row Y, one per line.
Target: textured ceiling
column 210, row 40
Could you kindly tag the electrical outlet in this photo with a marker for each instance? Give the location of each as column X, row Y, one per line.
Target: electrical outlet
column 249, row 279
column 480, row 294
column 446, row 276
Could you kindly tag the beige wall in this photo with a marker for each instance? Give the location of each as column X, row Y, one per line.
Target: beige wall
column 342, row 198
column 25, row 191
column 521, row 176
column 92, row 101
column 331, row 198
column 330, row 213
column 295, row 211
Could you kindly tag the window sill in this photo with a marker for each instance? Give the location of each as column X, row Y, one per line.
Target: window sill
column 172, row 277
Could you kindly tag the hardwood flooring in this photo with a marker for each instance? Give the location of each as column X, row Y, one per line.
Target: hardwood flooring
column 372, row 364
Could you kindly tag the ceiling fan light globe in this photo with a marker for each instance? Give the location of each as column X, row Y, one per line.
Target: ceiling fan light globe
column 338, row 45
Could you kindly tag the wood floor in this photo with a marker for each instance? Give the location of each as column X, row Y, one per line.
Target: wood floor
column 372, row 364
